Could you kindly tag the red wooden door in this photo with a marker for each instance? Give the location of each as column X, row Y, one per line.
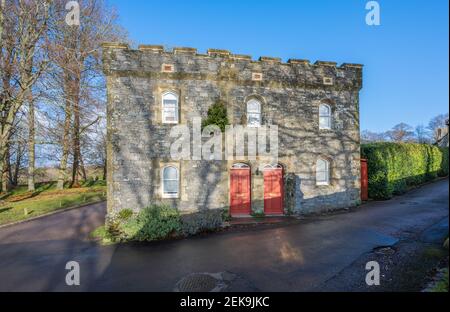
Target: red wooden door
column 364, row 180
column 273, row 191
column 240, row 203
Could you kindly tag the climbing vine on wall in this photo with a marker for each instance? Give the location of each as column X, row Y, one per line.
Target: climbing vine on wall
column 217, row 115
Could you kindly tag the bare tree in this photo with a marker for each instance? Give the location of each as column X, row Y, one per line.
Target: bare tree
column 23, row 25
column 369, row 136
column 421, row 134
column 51, row 74
column 18, row 158
column 436, row 123
column 76, row 55
column 401, row 133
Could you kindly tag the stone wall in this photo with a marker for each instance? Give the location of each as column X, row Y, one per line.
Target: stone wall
column 138, row 142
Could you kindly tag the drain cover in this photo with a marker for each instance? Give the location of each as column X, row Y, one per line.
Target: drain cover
column 197, row 283
column 205, row 282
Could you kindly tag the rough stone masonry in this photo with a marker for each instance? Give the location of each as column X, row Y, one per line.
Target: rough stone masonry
column 290, row 95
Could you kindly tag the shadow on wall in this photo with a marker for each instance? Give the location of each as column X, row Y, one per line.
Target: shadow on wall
column 133, row 192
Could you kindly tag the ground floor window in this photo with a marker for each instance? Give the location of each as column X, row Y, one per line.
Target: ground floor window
column 170, row 182
column 322, row 172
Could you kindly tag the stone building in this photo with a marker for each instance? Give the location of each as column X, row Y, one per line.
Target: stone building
column 442, row 135
column 315, row 106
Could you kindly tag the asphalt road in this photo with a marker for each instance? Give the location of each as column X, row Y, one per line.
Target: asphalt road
column 296, row 257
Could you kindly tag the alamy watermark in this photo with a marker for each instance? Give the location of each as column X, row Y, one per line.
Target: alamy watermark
column 73, row 276
column 373, row 277
column 73, row 16
column 373, row 17
column 237, row 143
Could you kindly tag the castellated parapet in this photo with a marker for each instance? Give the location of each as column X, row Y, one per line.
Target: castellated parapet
column 218, row 64
column 314, row 105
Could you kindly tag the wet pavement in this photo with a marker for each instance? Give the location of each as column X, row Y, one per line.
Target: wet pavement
column 294, row 257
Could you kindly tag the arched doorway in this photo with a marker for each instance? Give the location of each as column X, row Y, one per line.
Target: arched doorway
column 240, row 190
column 273, row 190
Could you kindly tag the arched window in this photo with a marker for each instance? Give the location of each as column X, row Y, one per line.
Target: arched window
column 324, row 116
column 273, row 166
column 322, row 172
column 170, row 107
column 253, row 113
column 170, row 182
column 240, row 166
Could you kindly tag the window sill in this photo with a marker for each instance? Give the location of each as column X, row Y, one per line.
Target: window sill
column 322, row 183
column 170, row 196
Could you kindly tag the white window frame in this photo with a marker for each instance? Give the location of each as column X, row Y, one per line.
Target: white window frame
column 240, row 166
column 328, row 116
column 254, row 112
column 170, row 195
column 177, row 109
column 327, row 172
column 272, row 166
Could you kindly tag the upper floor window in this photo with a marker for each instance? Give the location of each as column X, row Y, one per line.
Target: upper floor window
column 170, row 107
column 253, row 113
column 322, row 172
column 324, row 116
column 170, row 182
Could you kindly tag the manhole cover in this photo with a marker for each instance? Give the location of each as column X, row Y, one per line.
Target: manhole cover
column 197, row 283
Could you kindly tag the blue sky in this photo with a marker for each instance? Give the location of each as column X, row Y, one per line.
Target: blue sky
column 406, row 72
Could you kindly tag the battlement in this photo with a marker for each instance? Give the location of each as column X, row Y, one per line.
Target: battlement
column 181, row 62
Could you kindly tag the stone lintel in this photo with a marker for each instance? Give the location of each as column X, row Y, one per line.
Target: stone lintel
column 298, row 61
column 270, row 59
column 152, row 48
column 184, row 50
column 241, row 57
column 350, row 65
column 218, row 52
column 325, row 63
column 115, row 45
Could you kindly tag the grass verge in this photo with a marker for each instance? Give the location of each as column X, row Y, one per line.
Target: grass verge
column 20, row 204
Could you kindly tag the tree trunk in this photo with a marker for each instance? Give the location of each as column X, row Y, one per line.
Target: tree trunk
column 17, row 165
column 104, row 170
column 76, row 133
column 31, row 142
column 5, row 171
column 76, row 147
column 10, row 170
column 62, row 176
column 83, row 168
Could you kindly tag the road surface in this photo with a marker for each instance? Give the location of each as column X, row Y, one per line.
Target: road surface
column 295, row 257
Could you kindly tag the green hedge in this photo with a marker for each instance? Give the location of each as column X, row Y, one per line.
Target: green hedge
column 394, row 167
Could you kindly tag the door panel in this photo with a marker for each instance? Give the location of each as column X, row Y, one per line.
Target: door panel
column 240, row 203
column 364, row 180
column 273, row 191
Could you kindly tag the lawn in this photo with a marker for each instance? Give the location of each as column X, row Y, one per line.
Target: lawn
column 19, row 204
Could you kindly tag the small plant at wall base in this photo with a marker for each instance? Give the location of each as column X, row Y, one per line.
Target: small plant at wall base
column 217, row 115
column 395, row 167
column 157, row 222
column 125, row 214
column 152, row 223
column 258, row 214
